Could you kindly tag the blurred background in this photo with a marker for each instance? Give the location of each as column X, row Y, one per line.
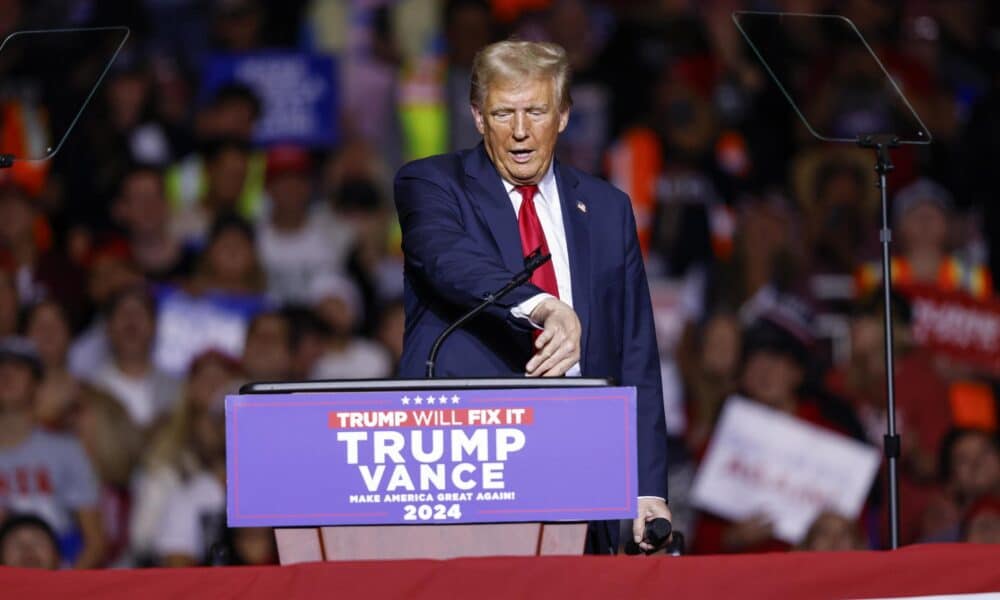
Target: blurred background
column 222, row 213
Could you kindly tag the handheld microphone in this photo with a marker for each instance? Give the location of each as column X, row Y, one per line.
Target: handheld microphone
column 531, row 262
column 656, row 534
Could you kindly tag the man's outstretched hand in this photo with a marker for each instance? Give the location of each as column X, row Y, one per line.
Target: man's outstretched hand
column 557, row 348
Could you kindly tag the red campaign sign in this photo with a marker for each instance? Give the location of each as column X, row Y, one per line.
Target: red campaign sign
column 958, row 325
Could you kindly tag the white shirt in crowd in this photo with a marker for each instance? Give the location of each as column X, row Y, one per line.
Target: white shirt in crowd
column 145, row 398
column 194, row 517
column 152, row 489
column 361, row 359
column 292, row 259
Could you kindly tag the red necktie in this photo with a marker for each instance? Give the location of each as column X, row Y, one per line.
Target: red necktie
column 532, row 237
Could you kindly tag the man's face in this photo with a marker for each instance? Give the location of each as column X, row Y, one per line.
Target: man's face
column 924, row 226
column 29, row 547
column 208, row 382
column 131, row 328
column 772, row 378
column 143, row 203
column 975, row 465
column 290, row 192
column 337, row 313
column 226, row 174
column 520, row 122
column 267, row 353
column 18, row 389
column 236, row 118
column 231, row 255
column 48, row 328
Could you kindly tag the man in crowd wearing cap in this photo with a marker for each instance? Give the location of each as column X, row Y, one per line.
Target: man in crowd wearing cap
column 295, row 245
column 921, row 212
column 43, row 473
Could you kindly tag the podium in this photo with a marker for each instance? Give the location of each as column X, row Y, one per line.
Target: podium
column 438, row 468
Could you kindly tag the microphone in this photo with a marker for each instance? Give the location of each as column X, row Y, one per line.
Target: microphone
column 531, row 262
column 656, row 534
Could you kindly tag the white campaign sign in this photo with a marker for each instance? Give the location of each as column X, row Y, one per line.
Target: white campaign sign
column 763, row 461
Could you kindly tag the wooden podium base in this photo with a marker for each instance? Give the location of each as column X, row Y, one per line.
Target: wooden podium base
column 388, row 542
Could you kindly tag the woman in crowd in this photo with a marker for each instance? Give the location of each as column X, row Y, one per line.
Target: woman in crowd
column 47, row 325
column 970, row 471
column 710, row 361
column 172, row 461
column 114, row 444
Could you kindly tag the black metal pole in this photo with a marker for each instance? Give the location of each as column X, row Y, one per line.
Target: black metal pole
column 883, row 165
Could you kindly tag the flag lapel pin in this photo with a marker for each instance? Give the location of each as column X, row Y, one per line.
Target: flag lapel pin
column 581, row 207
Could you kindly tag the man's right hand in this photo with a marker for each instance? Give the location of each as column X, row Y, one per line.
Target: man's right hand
column 557, row 348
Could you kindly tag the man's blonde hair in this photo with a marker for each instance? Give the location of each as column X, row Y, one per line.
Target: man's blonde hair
column 514, row 61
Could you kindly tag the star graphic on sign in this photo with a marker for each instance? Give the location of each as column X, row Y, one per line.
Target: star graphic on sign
column 405, row 399
column 443, row 400
column 430, row 399
column 418, row 400
column 454, row 399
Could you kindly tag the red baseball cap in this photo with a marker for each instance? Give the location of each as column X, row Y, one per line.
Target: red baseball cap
column 284, row 159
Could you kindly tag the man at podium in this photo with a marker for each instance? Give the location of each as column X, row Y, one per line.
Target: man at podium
column 470, row 218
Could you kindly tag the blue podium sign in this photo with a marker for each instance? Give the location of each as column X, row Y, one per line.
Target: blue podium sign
column 431, row 456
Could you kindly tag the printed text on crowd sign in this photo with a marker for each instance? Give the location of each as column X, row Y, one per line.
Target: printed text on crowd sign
column 447, row 456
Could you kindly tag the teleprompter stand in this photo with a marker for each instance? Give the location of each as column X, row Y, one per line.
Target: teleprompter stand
column 769, row 35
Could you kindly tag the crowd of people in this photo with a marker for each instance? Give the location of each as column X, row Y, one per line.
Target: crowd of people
column 163, row 256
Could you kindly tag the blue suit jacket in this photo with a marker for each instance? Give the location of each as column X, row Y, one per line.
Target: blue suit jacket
column 461, row 242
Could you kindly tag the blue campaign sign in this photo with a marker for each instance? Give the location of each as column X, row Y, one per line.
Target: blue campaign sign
column 299, row 93
column 445, row 456
column 189, row 325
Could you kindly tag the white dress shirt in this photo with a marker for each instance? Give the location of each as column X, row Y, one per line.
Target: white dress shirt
column 550, row 216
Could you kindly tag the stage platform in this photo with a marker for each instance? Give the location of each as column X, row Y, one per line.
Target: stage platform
column 914, row 571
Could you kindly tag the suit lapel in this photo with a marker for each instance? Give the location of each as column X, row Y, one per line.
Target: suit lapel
column 494, row 206
column 576, row 221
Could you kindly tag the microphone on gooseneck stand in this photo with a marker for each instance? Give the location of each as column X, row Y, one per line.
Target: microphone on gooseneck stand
column 531, row 262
